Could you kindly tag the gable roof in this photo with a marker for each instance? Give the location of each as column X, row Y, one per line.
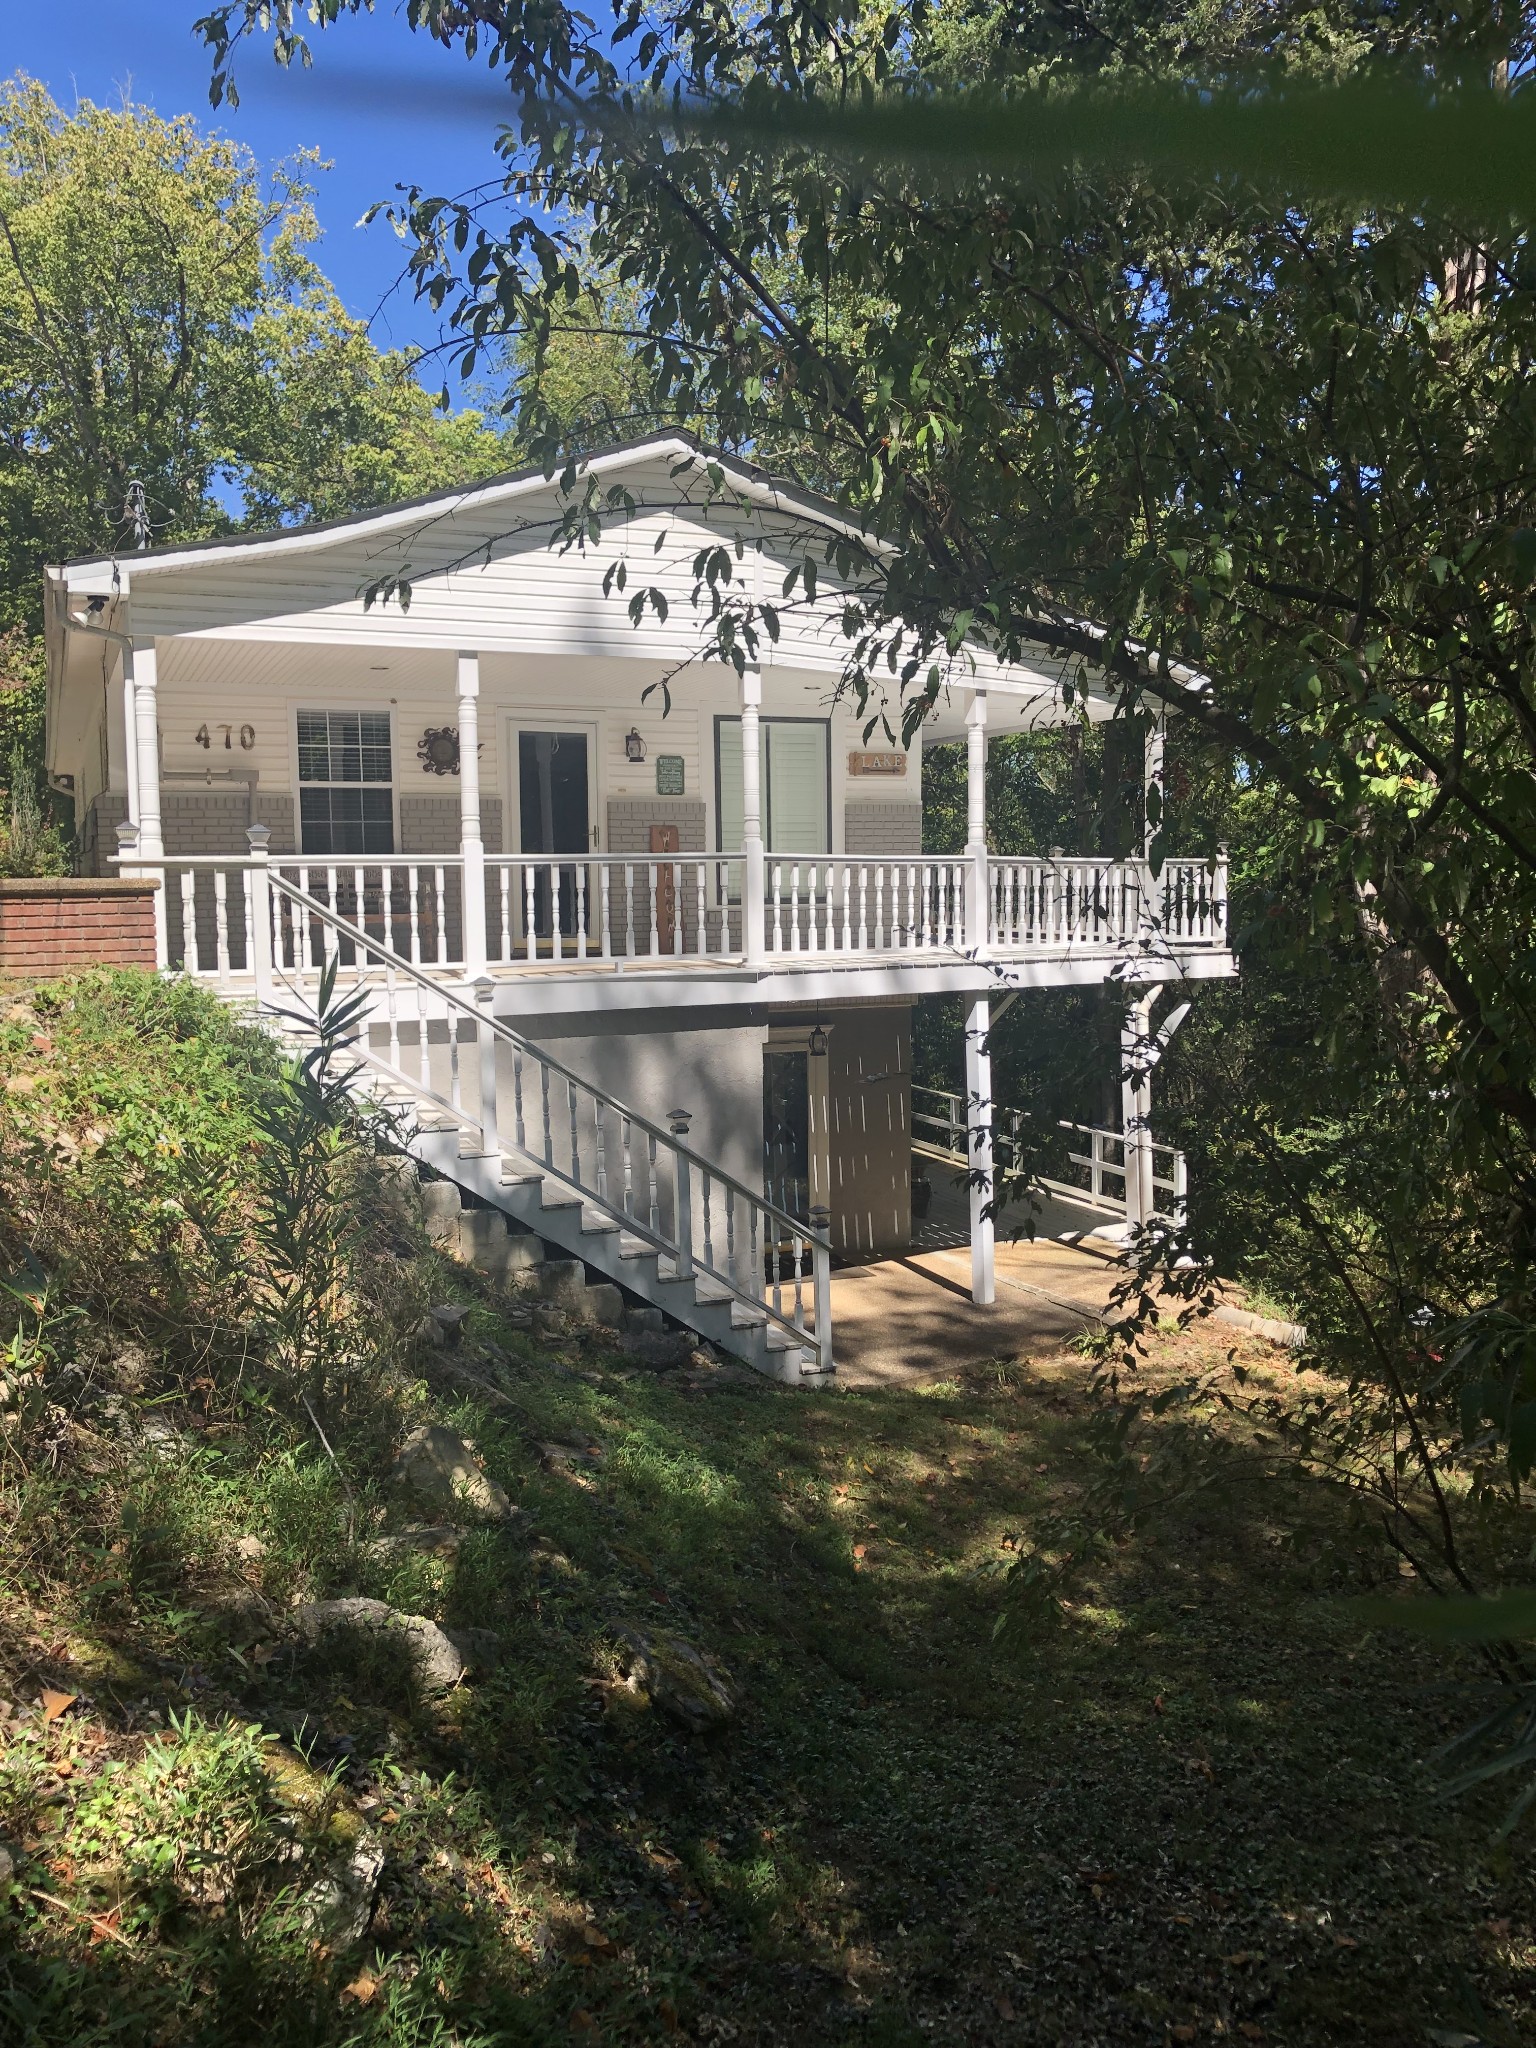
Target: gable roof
column 756, row 484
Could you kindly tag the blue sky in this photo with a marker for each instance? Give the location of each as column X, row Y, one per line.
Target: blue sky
column 98, row 49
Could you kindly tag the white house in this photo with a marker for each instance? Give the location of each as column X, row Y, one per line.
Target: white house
column 641, row 961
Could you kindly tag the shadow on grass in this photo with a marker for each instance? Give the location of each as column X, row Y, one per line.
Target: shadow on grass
column 1184, row 1807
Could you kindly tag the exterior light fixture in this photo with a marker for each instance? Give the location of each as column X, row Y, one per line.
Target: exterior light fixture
column 816, row 1045
column 634, row 745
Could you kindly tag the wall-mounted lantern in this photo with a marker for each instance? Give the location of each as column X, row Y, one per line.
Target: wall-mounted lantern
column 634, row 745
column 816, row 1045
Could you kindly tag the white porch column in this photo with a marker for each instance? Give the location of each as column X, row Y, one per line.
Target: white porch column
column 141, row 685
column 1136, row 1058
column 978, row 1132
column 978, row 921
column 130, row 743
column 1152, row 779
column 752, row 878
column 471, row 844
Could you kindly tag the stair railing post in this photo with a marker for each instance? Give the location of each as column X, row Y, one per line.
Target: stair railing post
column 682, row 1198
column 259, row 840
column 490, row 1128
column 821, row 1286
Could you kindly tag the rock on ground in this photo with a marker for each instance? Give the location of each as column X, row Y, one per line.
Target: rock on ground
column 680, row 1680
column 440, row 1660
column 442, row 1471
column 337, row 1907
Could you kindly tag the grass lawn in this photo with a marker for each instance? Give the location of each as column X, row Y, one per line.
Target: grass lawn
column 1189, row 1805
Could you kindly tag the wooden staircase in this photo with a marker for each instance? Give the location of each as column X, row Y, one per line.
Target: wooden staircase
column 512, row 1127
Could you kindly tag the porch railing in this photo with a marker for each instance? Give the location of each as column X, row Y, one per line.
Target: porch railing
column 600, row 908
column 513, row 1097
column 1068, row 904
column 939, row 1126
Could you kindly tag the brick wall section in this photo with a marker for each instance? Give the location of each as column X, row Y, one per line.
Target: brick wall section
column 202, row 821
column 63, row 926
column 630, row 820
column 884, row 830
column 98, row 832
column 430, row 824
column 629, row 831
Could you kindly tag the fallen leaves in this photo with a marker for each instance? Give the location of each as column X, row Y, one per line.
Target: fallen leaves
column 54, row 1704
column 364, row 1988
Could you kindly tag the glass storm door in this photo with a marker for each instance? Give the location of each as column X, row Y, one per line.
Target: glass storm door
column 554, row 802
column 787, row 1131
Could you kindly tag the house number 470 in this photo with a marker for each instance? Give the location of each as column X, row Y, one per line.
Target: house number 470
column 247, row 736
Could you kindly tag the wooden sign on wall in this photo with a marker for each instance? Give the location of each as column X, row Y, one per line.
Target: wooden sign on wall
column 887, row 762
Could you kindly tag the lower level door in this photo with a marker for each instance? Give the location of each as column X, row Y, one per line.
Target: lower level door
column 787, row 1131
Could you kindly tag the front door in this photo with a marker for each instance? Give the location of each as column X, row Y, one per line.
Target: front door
column 553, row 772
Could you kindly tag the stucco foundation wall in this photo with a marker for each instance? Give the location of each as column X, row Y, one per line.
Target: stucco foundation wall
column 876, row 829
column 869, row 1102
column 62, row 926
column 709, row 1061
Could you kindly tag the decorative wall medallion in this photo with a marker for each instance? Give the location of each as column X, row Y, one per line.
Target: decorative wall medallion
column 438, row 750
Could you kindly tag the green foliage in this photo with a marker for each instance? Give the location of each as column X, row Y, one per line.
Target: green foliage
column 166, row 342
column 1176, row 1698
column 184, row 1824
column 306, row 1235
column 31, row 840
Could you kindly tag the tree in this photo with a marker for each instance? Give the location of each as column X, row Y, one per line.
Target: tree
column 172, row 361
column 1261, row 452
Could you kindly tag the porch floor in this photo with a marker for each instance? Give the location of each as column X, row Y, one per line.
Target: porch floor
column 907, row 1318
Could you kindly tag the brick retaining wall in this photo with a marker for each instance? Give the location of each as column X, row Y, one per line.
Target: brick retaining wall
column 54, row 925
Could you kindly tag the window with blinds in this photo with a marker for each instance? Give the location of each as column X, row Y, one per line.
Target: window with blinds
column 346, row 792
column 796, row 783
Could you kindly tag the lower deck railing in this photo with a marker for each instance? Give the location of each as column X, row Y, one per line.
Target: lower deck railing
column 939, row 1125
column 660, row 907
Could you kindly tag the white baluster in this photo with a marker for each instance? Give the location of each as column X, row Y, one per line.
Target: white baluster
column 187, row 883
column 440, row 898
column 392, row 1017
column 221, row 922
column 629, row 910
column 653, row 890
column 490, row 1120
column 581, row 910
column 530, row 912
column 504, row 895
column 701, row 908
column 413, row 913
column 517, row 1099
column 605, row 912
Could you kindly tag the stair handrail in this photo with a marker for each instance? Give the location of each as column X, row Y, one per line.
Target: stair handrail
column 485, row 1019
